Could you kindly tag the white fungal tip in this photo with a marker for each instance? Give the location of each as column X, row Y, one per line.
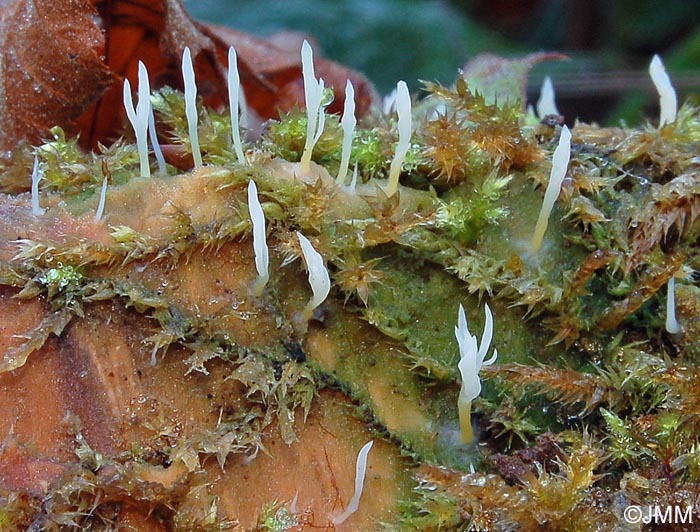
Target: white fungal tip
column 360, row 472
column 546, row 104
column 191, row 105
column 262, row 258
column 234, row 92
column 37, row 210
column 560, row 162
column 103, row 199
column 667, row 94
column 348, row 123
column 403, row 109
column 319, row 279
column 672, row 325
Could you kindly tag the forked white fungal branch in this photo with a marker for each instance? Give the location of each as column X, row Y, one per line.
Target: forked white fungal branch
column 560, row 162
column 139, row 116
column 667, row 94
column 234, row 91
column 37, row 210
column 360, row 472
column 672, row 325
column 313, row 93
column 471, row 360
column 191, row 105
column 262, row 257
column 348, row 123
column 546, row 104
column 403, row 109
column 154, row 141
column 318, row 276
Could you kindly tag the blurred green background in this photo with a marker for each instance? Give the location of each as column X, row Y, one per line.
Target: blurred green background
column 610, row 43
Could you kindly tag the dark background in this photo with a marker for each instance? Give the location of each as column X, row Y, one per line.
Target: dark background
column 610, row 43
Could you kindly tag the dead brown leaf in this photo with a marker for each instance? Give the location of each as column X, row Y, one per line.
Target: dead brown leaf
column 63, row 62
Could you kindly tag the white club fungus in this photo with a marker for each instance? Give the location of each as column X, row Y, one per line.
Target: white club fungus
column 360, row 471
column 403, row 109
column 103, row 199
column 546, row 104
column 37, row 210
column 560, row 162
column 348, row 123
column 313, row 93
column 191, row 105
column 672, row 325
column 234, row 92
column 262, row 257
column 318, row 276
column 667, row 94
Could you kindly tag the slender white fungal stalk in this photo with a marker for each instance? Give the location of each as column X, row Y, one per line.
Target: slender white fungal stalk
column 672, row 325
column 103, row 199
column 191, row 105
column 139, row 116
column 560, row 162
column 348, row 123
column 360, row 472
column 37, row 210
column 403, row 108
column 234, row 91
column 546, row 104
column 313, row 93
column 318, row 276
column 471, row 360
column 154, row 141
column 262, row 256
column 667, row 94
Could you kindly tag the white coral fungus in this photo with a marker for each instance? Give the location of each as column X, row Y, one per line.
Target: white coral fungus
column 234, row 93
column 318, row 275
column 672, row 325
column 471, row 360
column 37, row 210
column 262, row 257
column 546, row 104
column 667, row 94
column 139, row 116
column 560, row 162
column 191, row 105
column 360, row 471
column 403, row 109
column 348, row 123
column 313, row 93
column 103, row 199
